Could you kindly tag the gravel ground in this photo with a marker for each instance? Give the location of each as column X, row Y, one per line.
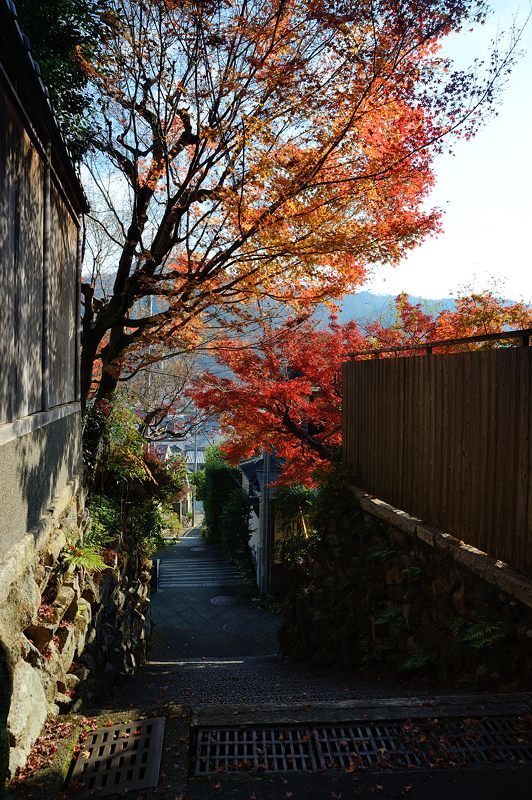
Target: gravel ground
column 202, row 682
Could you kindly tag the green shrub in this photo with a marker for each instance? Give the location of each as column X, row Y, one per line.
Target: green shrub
column 234, row 528
column 131, row 488
column 297, row 552
column 214, row 485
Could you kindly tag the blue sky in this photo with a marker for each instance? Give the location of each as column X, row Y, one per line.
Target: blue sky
column 485, row 190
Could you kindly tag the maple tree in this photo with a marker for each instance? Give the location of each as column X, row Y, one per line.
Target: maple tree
column 286, row 393
column 260, row 152
column 475, row 313
column 480, row 312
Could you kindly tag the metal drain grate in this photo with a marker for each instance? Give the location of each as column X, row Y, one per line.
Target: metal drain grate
column 261, row 750
column 449, row 742
column 119, row 758
column 354, row 746
column 223, row 600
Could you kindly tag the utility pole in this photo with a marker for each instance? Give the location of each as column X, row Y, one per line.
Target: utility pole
column 195, row 468
column 150, row 314
column 264, row 577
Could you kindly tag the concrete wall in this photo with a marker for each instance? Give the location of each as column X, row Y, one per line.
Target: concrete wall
column 33, row 469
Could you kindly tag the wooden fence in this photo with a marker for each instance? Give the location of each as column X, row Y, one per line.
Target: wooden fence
column 447, row 438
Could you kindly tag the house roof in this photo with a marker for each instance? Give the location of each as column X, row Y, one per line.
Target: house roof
column 249, row 467
column 253, row 469
column 21, row 75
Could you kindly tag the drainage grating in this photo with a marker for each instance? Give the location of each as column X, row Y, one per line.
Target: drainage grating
column 354, row 746
column 119, row 758
column 253, row 749
column 223, row 600
column 235, row 627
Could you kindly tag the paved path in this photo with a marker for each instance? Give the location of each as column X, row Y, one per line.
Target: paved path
column 209, row 658
column 195, row 565
column 189, row 615
column 206, row 652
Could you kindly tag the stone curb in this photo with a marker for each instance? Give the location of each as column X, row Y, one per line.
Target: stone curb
column 475, row 705
column 495, row 572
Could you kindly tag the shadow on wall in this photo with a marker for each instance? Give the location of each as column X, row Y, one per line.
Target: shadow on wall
column 46, row 460
column 32, row 470
column 5, row 702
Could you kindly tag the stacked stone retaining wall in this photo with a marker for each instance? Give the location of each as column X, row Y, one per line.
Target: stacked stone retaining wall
column 65, row 633
column 388, row 594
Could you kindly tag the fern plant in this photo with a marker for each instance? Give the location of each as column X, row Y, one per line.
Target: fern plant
column 413, row 573
column 480, row 635
column 418, row 662
column 381, row 552
column 86, row 557
column 393, row 615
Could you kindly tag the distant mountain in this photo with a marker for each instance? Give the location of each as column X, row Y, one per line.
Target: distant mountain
column 366, row 307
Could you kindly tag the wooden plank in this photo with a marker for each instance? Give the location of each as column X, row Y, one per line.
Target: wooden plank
column 448, row 438
column 468, row 522
column 527, row 545
column 498, row 545
column 491, row 450
column 480, row 466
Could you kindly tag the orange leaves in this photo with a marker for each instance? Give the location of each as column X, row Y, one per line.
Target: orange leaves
column 285, row 392
column 480, row 312
column 270, row 150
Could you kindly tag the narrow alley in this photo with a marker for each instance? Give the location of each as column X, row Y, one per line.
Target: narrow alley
column 212, row 643
column 214, row 671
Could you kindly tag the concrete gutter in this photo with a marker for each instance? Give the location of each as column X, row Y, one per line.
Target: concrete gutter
column 467, row 705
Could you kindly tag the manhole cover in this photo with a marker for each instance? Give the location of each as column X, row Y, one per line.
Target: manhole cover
column 223, row 600
column 198, row 549
column 235, row 627
column 119, row 758
column 360, row 746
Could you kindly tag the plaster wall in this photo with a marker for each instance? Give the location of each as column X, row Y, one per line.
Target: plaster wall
column 33, row 469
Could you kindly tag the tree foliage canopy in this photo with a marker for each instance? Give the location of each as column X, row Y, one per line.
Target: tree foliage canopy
column 60, row 33
column 264, row 151
column 286, row 393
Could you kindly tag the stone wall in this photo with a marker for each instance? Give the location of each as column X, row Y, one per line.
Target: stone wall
column 391, row 595
column 65, row 633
